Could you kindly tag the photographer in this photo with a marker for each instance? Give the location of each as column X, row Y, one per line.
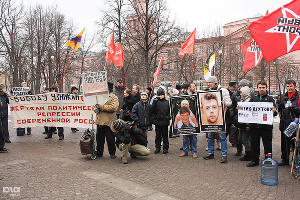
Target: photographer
column 128, row 103
column 129, row 139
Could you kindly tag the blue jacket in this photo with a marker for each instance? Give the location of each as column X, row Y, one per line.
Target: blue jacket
column 141, row 114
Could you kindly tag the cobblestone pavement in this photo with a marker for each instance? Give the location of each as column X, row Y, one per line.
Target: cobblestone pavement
column 53, row 169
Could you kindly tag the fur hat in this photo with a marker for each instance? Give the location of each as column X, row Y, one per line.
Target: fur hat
column 117, row 125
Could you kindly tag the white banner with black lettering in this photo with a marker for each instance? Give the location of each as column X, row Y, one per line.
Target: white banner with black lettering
column 52, row 109
column 255, row 112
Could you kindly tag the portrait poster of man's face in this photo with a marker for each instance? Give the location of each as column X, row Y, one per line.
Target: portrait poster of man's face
column 185, row 116
column 211, row 111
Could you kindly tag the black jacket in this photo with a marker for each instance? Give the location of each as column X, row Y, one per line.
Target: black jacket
column 287, row 115
column 4, row 101
column 160, row 112
column 127, row 107
column 265, row 98
column 132, row 135
column 136, row 98
column 140, row 114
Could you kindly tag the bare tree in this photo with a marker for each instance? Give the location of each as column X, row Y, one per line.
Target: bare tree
column 149, row 30
column 12, row 39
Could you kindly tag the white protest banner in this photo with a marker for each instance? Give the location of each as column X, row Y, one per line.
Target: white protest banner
column 52, row 109
column 95, row 90
column 20, row 91
column 255, row 112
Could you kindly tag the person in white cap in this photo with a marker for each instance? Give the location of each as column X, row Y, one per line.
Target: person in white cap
column 213, row 85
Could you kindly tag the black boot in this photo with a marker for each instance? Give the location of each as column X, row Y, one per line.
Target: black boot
column 157, row 150
column 246, row 157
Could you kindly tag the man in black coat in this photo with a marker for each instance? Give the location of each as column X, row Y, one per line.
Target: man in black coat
column 263, row 131
column 135, row 92
column 4, row 114
column 141, row 113
column 288, row 108
column 2, row 140
column 160, row 116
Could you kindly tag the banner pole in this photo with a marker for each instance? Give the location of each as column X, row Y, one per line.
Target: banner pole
column 192, row 68
column 65, row 70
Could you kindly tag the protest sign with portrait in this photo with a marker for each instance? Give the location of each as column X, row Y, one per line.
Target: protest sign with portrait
column 211, row 111
column 185, row 116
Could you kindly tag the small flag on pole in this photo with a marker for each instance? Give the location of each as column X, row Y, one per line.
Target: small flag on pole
column 155, row 75
column 118, row 57
column 210, row 63
column 188, row 46
column 111, row 48
column 75, row 41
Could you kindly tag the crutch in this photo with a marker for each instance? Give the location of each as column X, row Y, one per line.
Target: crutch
column 295, row 150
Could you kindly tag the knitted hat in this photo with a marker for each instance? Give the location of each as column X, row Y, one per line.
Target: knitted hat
column 244, row 82
column 212, row 79
column 144, row 93
column 117, row 125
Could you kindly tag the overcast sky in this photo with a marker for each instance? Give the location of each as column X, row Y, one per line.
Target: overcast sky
column 190, row 14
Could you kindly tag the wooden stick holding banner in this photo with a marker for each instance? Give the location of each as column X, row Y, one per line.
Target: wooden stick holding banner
column 155, row 76
column 65, row 70
column 192, row 68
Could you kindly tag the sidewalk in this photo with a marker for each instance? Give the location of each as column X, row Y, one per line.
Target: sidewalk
column 36, row 168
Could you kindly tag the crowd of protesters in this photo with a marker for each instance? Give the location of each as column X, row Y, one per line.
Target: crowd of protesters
column 127, row 116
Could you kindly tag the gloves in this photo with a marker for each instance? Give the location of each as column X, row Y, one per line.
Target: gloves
column 97, row 110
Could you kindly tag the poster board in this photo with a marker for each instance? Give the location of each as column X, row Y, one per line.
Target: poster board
column 255, row 112
column 51, row 109
column 212, row 116
column 185, row 121
column 95, row 89
column 20, row 91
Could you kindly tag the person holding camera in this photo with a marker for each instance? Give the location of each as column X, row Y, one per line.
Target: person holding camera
column 128, row 103
column 129, row 139
column 105, row 115
column 288, row 108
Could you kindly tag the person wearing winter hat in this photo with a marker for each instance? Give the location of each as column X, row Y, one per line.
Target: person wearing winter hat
column 160, row 116
column 129, row 139
column 140, row 113
column 213, row 85
column 105, row 115
column 244, row 130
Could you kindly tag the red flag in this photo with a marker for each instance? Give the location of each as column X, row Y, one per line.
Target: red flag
column 278, row 33
column 118, row 57
column 111, row 48
column 252, row 54
column 155, row 75
column 188, row 46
